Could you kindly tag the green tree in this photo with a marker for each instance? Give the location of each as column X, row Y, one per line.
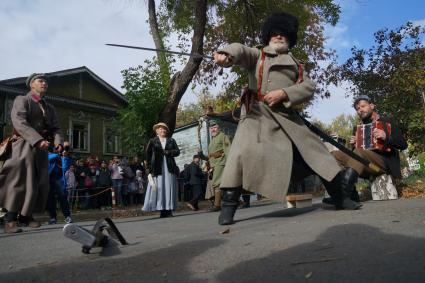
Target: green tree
column 320, row 125
column 392, row 73
column 189, row 113
column 204, row 26
column 146, row 94
column 343, row 126
column 207, row 102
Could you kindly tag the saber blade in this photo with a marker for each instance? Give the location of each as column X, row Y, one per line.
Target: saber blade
column 195, row 55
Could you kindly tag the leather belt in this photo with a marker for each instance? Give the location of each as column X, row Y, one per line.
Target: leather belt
column 216, row 154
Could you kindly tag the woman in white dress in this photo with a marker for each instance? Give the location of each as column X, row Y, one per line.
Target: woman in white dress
column 161, row 194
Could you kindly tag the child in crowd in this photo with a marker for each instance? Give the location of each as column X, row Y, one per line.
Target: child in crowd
column 57, row 188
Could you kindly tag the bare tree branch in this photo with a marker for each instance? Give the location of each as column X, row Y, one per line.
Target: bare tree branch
column 157, row 39
column 180, row 81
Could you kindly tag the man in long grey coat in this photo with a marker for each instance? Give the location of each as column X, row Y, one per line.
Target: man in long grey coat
column 24, row 179
column 272, row 145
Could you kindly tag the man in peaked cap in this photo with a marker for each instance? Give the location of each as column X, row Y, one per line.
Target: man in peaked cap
column 31, row 78
column 272, row 145
column 24, row 179
column 218, row 151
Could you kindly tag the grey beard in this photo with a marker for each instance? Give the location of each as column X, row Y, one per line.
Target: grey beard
column 280, row 47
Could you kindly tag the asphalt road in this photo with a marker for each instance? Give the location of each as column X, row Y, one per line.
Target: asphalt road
column 382, row 242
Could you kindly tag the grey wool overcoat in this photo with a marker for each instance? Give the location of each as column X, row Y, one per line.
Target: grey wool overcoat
column 261, row 156
column 24, row 178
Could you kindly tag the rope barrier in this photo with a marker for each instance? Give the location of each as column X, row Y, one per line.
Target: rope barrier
column 88, row 189
column 89, row 196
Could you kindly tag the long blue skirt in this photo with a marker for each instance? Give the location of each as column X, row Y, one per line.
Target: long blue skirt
column 165, row 196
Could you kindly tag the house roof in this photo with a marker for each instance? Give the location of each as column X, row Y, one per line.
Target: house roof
column 70, row 102
column 224, row 116
column 79, row 70
column 12, row 90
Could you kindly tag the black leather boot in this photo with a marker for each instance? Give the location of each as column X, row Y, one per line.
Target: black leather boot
column 334, row 189
column 355, row 195
column 341, row 190
column 246, row 201
column 348, row 181
column 229, row 204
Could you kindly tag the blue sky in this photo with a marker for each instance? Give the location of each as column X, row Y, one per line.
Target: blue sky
column 359, row 20
column 52, row 35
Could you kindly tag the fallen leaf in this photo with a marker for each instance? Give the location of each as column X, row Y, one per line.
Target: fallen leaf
column 308, row 275
column 227, row 231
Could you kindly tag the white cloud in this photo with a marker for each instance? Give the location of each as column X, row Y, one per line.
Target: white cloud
column 46, row 36
column 327, row 110
column 52, row 35
column 338, row 38
column 419, row 23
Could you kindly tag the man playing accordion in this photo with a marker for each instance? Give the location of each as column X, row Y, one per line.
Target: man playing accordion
column 377, row 140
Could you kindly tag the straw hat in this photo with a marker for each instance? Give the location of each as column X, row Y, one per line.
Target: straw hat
column 160, row 124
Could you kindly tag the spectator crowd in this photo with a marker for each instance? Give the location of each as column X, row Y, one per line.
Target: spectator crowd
column 89, row 182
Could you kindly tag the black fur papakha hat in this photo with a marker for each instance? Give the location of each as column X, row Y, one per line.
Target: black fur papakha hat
column 283, row 22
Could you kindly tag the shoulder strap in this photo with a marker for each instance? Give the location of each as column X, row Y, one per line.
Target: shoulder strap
column 300, row 69
column 261, row 67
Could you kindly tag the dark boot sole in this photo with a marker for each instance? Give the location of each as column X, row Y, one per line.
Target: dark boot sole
column 226, row 222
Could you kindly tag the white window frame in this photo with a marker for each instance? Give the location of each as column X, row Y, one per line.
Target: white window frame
column 108, row 123
column 73, row 121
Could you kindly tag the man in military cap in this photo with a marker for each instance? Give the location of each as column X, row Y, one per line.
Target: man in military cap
column 218, row 150
column 272, row 144
column 24, row 179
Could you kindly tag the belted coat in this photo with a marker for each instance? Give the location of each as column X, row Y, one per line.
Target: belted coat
column 24, row 179
column 261, row 156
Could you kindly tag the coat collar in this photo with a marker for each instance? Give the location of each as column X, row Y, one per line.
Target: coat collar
column 271, row 51
column 34, row 97
column 167, row 140
column 279, row 59
column 219, row 134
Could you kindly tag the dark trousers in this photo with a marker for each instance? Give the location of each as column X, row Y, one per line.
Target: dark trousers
column 188, row 193
column 105, row 198
column 56, row 189
column 197, row 195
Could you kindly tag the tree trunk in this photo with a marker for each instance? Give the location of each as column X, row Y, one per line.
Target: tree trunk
column 180, row 80
column 159, row 44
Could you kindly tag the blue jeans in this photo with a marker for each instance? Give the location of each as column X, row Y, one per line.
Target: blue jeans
column 117, row 184
column 56, row 188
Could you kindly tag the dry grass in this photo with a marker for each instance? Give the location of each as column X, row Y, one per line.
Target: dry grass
column 413, row 190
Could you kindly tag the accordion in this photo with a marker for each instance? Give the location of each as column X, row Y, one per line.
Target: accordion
column 366, row 140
